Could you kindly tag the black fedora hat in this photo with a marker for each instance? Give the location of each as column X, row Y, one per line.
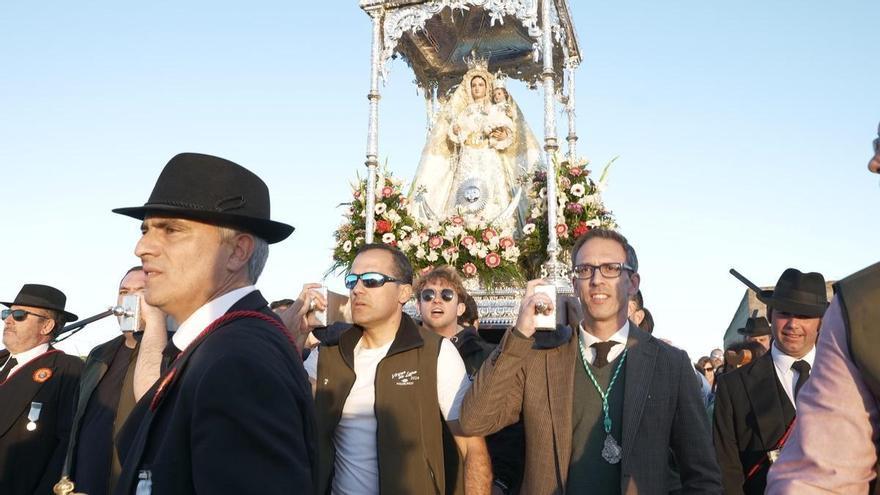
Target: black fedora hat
column 212, row 190
column 755, row 327
column 42, row 296
column 798, row 293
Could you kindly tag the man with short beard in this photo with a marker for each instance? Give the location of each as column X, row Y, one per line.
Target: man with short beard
column 232, row 412
column 755, row 404
column 833, row 449
column 603, row 406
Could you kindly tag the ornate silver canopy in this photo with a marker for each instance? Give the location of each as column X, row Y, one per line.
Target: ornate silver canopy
column 435, row 36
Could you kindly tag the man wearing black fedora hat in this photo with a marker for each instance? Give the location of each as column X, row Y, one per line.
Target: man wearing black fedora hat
column 37, row 386
column 757, row 329
column 834, row 447
column 232, row 411
column 755, row 404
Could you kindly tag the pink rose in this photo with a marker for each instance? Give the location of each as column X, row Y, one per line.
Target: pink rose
column 387, row 191
column 469, row 269
column 493, row 260
column 562, row 230
column 435, row 241
column 468, row 241
column 506, row 242
column 575, row 171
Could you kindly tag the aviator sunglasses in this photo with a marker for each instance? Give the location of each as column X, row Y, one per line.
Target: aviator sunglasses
column 428, row 295
column 371, row 280
column 18, row 314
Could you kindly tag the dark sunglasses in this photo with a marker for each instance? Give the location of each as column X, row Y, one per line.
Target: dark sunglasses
column 19, row 314
column 428, row 295
column 371, row 280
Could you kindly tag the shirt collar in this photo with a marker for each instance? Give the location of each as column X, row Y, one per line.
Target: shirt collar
column 783, row 361
column 205, row 315
column 620, row 336
column 26, row 356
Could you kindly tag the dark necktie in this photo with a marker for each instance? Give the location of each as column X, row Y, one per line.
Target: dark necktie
column 6, row 369
column 602, row 349
column 169, row 354
column 803, row 369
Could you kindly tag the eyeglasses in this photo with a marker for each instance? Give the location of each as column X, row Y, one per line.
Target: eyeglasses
column 19, row 314
column 608, row 270
column 428, row 295
column 371, row 280
column 709, row 370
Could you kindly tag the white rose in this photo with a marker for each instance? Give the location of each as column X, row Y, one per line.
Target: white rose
column 511, row 253
column 380, row 208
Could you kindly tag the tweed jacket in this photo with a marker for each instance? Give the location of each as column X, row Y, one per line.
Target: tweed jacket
column 663, row 414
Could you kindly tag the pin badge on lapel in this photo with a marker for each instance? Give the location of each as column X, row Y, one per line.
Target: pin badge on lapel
column 42, row 374
column 34, row 415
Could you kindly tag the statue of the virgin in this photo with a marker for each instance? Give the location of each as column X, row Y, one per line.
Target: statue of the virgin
column 477, row 152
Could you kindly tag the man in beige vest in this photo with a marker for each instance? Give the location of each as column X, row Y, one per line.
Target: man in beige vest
column 833, row 448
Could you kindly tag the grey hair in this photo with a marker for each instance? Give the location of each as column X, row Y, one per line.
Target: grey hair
column 258, row 258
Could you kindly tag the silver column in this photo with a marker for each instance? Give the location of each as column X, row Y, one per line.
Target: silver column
column 555, row 272
column 377, row 14
column 571, row 65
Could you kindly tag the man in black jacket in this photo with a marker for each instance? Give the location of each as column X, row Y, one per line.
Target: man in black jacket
column 232, row 413
column 442, row 301
column 106, row 398
column 755, row 404
column 37, row 386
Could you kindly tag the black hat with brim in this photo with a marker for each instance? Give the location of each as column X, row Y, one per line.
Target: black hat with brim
column 42, row 296
column 213, row 190
column 798, row 293
column 755, row 327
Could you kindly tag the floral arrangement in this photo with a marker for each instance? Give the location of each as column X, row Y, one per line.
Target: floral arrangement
column 482, row 253
column 479, row 251
column 579, row 209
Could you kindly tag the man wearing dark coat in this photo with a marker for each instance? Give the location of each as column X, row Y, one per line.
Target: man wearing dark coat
column 37, row 386
column 232, row 411
column 106, row 397
column 604, row 405
column 755, row 404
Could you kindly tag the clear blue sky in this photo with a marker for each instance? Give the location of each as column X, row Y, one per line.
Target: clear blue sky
column 743, row 130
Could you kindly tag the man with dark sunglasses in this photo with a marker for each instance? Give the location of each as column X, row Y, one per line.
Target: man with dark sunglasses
column 37, row 387
column 442, row 301
column 388, row 394
column 606, row 407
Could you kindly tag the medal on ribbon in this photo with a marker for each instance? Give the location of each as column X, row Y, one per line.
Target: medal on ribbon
column 611, row 450
column 33, row 416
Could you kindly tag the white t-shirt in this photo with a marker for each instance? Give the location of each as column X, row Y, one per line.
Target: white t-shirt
column 357, row 462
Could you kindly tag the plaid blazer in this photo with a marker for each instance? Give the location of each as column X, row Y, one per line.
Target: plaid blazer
column 663, row 413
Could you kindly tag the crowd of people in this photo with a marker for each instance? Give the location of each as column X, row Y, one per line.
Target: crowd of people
column 244, row 397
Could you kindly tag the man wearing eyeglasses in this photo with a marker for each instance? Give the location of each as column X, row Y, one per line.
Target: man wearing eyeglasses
column 604, row 406
column 37, row 387
column 388, row 394
column 833, row 449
